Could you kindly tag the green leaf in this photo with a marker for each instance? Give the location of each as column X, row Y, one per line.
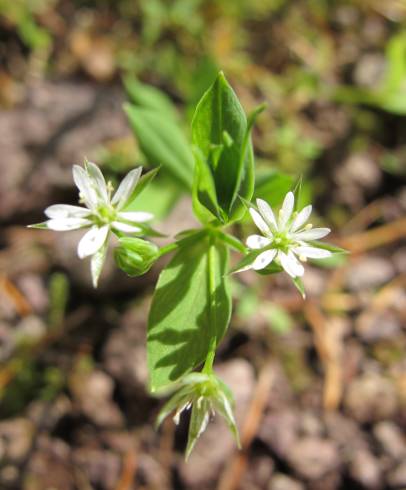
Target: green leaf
column 190, row 309
column 220, row 123
column 162, row 142
column 149, row 97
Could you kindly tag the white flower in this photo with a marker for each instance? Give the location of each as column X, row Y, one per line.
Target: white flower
column 102, row 213
column 285, row 240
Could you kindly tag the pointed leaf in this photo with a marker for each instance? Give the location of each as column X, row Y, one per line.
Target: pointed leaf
column 220, row 120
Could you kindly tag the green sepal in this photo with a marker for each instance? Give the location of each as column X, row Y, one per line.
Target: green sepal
column 328, row 246
column 297, row 281
column 141, row 185
column 39, row 226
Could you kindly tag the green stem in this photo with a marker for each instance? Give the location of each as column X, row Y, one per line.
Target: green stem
column 168, row 248
column 208, row 365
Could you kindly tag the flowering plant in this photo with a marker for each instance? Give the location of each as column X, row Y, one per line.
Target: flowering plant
column 191, row 305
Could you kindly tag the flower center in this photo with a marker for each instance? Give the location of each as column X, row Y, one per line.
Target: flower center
column 105, row 215
column 281, row 241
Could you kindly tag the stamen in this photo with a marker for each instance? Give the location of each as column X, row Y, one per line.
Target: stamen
column 303, row 258
column 309, row 226
column 110, row 188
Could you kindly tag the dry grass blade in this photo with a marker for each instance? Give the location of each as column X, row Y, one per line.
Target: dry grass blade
column 375, row 238
column 329, row 347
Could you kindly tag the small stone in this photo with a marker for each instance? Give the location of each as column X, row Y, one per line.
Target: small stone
column 311, row 425
column 371, row 398
column 370, row 70
column 279, row 430
column 369, row 272
column 397, row 477
column 284, row 482
column 101, row 467
column 313, row 457
column 94, row 393
column 16, row 437
column 364, row 469
column 345, row 433
column 30, row 329
column 259, row 473
column 391, row 439
column 372, row 326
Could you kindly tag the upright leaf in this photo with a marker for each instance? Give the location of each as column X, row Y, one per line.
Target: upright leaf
column 220, row 123
column 191, row 307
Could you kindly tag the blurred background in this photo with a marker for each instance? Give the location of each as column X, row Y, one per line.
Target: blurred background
column 320, row 385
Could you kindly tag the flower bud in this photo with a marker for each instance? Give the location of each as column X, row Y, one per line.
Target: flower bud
column 135, row 256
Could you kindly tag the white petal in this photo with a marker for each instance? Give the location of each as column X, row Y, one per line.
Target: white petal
column 263, row 259
column 259, row 221
column 291, row 264
column 92, row 241
column 257, row 241
column 313, row 234
column 99, row 182
column 126, row 188
column 286, row 210
column 312, row 252
column 85, row 186
column 137, row 216
column 66, row 224
column 57, row 211
column 301, row 218
column 267, row 213
column 124, row 227
column 97, row 262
